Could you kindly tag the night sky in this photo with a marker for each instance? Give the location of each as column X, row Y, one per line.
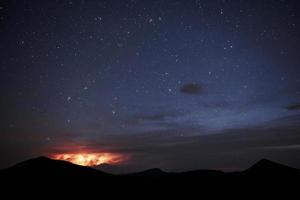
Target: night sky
column 173, row 84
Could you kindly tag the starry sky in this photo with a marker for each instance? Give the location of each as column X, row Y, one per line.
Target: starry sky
column 173, row 84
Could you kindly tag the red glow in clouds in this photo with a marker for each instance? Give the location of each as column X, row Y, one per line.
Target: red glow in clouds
column 91, row 159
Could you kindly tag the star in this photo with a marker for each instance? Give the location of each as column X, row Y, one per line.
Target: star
column 147, row 72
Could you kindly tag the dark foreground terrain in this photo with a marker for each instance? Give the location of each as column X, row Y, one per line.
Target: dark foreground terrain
column 42, row 178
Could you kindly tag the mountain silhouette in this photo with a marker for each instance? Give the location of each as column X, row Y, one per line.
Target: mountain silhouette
column 154, row 172
column 46, row 167
column 266, row 167
column 265, row 179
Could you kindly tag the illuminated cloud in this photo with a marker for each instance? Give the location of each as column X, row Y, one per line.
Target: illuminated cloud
column 91, row 159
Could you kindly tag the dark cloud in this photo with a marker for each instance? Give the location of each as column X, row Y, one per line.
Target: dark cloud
column 293, row 107
column 191, row 88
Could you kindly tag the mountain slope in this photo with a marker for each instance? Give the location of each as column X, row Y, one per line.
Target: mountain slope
column 264, row 179
column 154, row 172
column 266, row 167
column 43, row 166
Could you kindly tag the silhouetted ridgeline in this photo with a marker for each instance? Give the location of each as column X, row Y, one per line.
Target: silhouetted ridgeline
column 53, row 178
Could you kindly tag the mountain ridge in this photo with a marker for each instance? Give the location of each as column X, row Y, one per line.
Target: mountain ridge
column 263, row 164
column 61, row 177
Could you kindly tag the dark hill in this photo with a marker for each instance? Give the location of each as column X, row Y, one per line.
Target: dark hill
column 46, row 167
column 265, row 179
column 266, row 167
column 155, row 172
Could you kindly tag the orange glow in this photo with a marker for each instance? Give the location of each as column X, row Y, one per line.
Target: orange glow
column 91, row 159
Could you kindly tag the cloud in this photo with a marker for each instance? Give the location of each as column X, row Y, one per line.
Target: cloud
column 177, row 150
column 156, row 116
column 191, row 88
column 180, row 148
column 293, row 107
column 281, row 147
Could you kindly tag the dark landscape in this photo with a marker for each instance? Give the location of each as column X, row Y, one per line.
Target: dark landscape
column 54, row 177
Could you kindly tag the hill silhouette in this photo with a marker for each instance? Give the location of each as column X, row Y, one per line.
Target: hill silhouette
column 266, row 167
column 154, row 172
column 264, row 179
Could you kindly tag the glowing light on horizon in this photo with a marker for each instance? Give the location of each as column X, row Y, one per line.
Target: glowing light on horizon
column 91, row 159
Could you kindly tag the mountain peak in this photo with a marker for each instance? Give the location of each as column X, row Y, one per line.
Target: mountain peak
column 152, row 172
column 46, row 167
column 265, row 161
column 43, row 161
column 36, row 161
column 40, row 159
column 155, row 170
column 265, row 166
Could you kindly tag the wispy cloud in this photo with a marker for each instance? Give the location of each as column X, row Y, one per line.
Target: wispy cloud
column 280, row 147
